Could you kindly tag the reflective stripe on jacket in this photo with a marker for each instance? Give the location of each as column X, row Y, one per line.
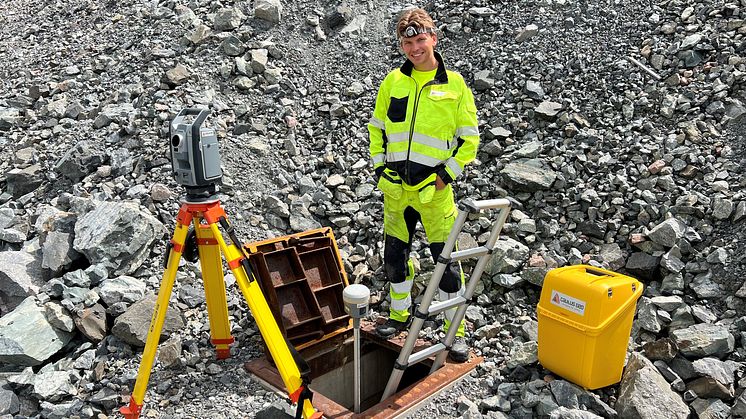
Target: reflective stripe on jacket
column 418, row 131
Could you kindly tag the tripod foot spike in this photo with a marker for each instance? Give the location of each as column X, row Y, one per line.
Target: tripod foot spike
column 131, row 411
column 223, row 353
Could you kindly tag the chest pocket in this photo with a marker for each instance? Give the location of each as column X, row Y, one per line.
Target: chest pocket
column 398, row 105
column 442, row 109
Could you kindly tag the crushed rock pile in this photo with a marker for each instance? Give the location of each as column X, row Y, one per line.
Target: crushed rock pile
column 617, row 128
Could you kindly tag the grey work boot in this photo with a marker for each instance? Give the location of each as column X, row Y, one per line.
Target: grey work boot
column 390, row 328
column 459, row 350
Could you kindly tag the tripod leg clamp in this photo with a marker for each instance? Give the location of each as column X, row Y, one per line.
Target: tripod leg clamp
column 299, row 397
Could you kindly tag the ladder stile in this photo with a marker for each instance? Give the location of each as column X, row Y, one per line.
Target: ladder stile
column 427, row 307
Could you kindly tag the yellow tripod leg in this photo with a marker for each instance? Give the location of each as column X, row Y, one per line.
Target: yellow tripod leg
column 211, row 265
column 132, row 411
column 265, row 321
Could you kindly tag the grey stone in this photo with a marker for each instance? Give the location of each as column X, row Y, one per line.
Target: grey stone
column 160, row 192
column 644, row 393
column 53, row 386
column 58, row 316
column 191, row 296
column 8, row 118
column 86, row 360
column 23, row 181
column 356, row 26
column 667, row 233
column 129, row 326
column 20, row 277
column 722, row 208
column 548, row 109
column 259, row 59
column 711, row 409
column 341, row 15
column 690, row 41
column 58, row 253
column 115, row 112
column 199, row 34
column 534, row 90
column 507, row 280
column 565, row 393
column 9, row 403
column 527, row 33
column 117, row 235
column 642, row 265
column 27, row 338
column 123, row 288
column 56, row 411
column 228, row 19
column 673, row 283
column 483, row 81
column 524, row 177
column 613, row 255
column 668, row 303
column 107, row 398
column 722, row 371
column 739, row 407
column 232, row 46
column 718, row 256
column 670, row 375
column 85, row 156
column 244, row 83
column 177, row 75
column 508, row 256
column 647, row 316
column 525, row 353
column 269, row 10
column 702, row 340
column 169, row 351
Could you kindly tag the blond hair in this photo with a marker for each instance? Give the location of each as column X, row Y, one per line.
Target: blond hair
column 418, row 18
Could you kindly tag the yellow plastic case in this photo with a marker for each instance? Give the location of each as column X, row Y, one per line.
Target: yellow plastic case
column 585, row 317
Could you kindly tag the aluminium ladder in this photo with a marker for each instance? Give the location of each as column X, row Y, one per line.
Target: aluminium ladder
column 428, row 308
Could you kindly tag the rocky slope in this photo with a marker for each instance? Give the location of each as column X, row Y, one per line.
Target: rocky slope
column 617, row 127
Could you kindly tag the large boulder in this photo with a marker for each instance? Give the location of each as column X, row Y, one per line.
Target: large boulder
column 132, row 326
column 527, row 177
column 704, row 339
column 117, row 235
column 27, row 338
column 20, row 277
column 645, row 394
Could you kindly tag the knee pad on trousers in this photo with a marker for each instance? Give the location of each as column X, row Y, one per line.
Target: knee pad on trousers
column 452, row 278
column 395, row 258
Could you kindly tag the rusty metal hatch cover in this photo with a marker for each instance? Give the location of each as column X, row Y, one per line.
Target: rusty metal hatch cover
column 302, row 277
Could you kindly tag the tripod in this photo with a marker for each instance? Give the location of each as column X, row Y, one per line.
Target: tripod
column 206, row 215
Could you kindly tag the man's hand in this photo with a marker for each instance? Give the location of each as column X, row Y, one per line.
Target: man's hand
column 439, row 184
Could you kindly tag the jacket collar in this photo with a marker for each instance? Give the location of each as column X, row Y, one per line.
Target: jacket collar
column 441, row 76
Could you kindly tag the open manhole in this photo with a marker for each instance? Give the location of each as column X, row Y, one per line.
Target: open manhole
column 332, row 376
column 303, row 278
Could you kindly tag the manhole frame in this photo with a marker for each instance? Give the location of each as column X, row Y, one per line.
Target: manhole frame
column 398, row 404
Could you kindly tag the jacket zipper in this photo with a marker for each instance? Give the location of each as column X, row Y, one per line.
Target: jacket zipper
column 411, row 125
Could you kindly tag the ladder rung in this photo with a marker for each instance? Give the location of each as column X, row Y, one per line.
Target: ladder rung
column 469, row 253
column 424, row 354
column 441, row 306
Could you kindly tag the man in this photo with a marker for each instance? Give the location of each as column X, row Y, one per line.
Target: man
column 423, row 132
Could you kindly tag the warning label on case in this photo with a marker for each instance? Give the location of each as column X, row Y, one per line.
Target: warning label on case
column 568, row 303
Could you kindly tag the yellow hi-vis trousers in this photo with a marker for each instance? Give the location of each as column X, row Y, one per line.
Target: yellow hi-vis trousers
column 403, row 206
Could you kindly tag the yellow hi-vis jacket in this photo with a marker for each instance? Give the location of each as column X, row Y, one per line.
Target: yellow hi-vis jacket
column 418, row 131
